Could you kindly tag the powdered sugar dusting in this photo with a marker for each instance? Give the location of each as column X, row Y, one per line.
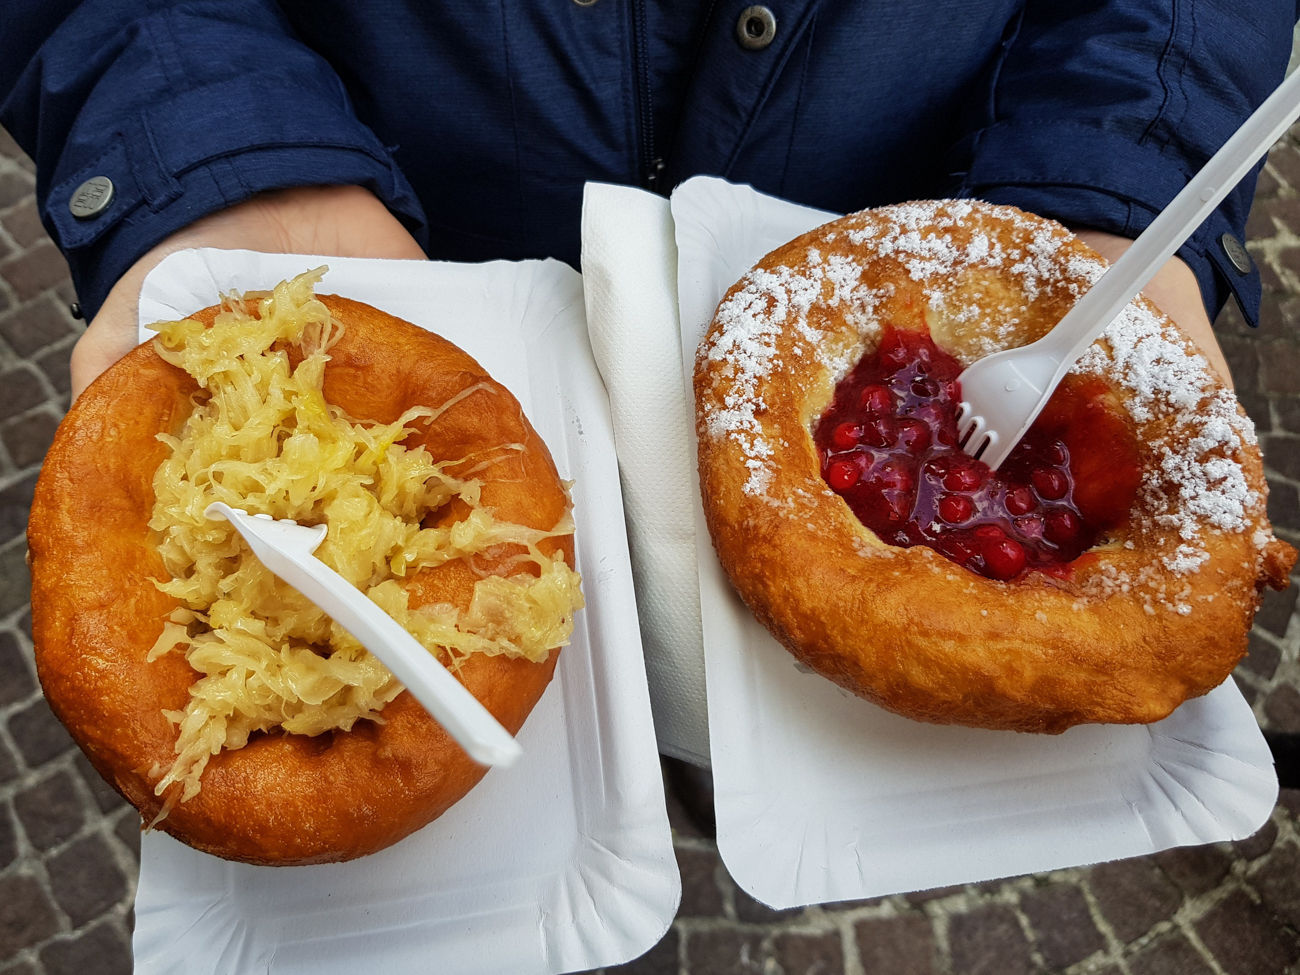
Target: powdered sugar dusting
column 1196, row 481
column 744, row 343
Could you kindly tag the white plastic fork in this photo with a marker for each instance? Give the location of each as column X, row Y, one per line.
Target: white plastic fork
column 285, row 547
column 1003, row 393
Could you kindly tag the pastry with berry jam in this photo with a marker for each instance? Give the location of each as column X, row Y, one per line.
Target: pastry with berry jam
column 1107, row 572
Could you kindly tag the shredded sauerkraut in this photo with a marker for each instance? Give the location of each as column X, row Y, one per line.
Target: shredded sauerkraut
column 263, row 438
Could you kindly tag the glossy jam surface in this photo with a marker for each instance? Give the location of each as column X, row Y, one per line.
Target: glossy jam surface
column 888, row 446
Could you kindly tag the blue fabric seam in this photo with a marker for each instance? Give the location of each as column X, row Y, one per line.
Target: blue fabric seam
column 798, row 100
column 765, row 90
column 1165, row 55
column 1004, row 51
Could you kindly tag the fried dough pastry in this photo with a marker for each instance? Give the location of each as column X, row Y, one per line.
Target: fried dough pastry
column 1109, row 571
column 100, row 605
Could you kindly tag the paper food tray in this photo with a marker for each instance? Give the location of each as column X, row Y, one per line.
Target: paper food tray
column 563, row 862
column 822, row 796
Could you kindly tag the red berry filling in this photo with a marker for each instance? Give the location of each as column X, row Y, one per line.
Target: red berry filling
column 888, row 446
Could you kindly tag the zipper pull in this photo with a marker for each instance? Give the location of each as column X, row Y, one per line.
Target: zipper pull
column 653, row 174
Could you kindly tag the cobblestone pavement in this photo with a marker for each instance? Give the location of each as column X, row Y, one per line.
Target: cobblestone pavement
column 69, row 845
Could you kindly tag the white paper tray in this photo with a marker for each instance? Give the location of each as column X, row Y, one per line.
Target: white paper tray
column 821, row 796
column 561, row 863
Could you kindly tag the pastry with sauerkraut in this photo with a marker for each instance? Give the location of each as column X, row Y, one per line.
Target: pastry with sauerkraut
column 230, row 710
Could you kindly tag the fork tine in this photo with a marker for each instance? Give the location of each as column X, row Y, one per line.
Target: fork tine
column 969, row 431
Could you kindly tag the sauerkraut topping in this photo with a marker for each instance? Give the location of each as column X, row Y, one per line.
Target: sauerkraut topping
column 262, row 437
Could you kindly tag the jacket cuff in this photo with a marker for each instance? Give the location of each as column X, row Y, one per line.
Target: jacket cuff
column 1085, row 176
column 167, row 172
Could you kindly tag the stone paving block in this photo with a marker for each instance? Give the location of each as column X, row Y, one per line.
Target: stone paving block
column 37, row 733
column 14, row 186
column 34, row 326
column 85, row 879
column 1286, row 163
column 897, row 946
column 1262, row 657
column 16, row 681
column 1255, row 404
column 1288, row 413
column 1278, row 883
column 1267, row 184
column 50, row 811
column 809, row 954
column 1283, row 506
column 1172, row 955
column 936, row 893
column 1283, row 210
column 8, row 764
column 20, row 968
column 35, row 270
column 1277, row 608
column 1245, row 939
column 1269, row 279
column 723, row 952
column 988, row 941
column 57, row 366
column 1282, row 706
column 701, row 896
column 748, row 909
column 8, row 837
column 23, row 223
column 106, row 797
column 26, row 915
column 15, row 580
column 1289, row 799
column 5, row 248
column 100, row 950
column 1133, row 895
column 1282, row 454
column 29, row 437
column 20, row 390
column 659, row 960
column 15, row 504
column 852, row 905
column 1195, row 869
column 1242, row 355
column 1060, row 919
column 1254, row 847
column 128, row 831
column 1277, row 317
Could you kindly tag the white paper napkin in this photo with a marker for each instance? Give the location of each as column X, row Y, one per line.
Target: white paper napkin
column 629, row 268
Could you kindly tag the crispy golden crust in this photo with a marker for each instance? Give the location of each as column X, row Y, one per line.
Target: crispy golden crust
column 282, row 799
column 1132, row 635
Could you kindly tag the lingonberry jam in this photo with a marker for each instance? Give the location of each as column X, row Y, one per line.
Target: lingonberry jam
column 888, row 446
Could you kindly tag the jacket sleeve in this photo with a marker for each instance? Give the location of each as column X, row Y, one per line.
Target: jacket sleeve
column 188, row 106
column 1098, row 112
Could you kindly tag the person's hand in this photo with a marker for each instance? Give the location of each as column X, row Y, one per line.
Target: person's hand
column 347, row 221
column 1175, row 290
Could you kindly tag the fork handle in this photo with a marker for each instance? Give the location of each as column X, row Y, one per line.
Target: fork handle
column 446, row 699
column 1101, row 304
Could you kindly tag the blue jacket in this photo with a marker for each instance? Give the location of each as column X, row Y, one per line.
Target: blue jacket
column 478, row 122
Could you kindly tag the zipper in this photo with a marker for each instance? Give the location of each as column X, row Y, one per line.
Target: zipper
column 651, row 165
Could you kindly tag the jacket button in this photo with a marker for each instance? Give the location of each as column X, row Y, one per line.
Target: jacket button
column 585, row 3
column 92, row 198
column 1237, row 253
column 756, row 28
